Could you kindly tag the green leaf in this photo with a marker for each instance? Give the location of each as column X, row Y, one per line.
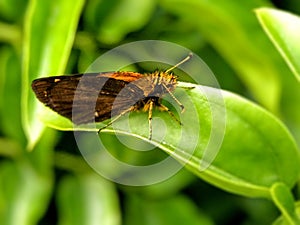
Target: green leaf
column 284, row 200
column 283, row 30
column 127, row 16
column 282, row 220
column 250, row 159
column 175, row 210
column 26, row 183
column 10, row 33
column 23, row 202
column 12, row 10
column 9, row 148
column 234, row 32
column 10, row 94
column 50, row 28
column 87, row 199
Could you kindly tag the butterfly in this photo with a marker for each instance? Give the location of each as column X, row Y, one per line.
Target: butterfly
column 96, row 97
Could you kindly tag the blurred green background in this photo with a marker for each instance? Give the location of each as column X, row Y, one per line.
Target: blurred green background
column 52, row 184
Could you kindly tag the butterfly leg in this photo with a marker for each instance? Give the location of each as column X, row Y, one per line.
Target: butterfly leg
column 117, row 117
column 150, row 118
column 165, row 108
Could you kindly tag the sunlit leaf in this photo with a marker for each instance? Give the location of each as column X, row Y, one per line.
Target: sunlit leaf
column 284, row 200
column 50, row 28
column 283, row 30
column 249, row 159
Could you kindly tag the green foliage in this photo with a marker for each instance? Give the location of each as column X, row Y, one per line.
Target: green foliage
column 40, row 168
column 48, row 38
column 78, row 200
column 281, row 28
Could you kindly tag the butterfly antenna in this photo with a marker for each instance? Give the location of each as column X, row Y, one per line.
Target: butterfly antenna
column 190, row 55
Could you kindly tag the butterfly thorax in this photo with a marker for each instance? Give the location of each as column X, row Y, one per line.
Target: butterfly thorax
column 158, row 83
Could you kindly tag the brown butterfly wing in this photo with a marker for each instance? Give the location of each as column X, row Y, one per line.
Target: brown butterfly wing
column 57, row 92
column 88, row 98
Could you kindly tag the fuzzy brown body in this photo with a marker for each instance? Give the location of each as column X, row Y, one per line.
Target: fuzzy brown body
column 85, row 98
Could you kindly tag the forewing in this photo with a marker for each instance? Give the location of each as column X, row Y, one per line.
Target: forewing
column 57, row 92
column 89, row 97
